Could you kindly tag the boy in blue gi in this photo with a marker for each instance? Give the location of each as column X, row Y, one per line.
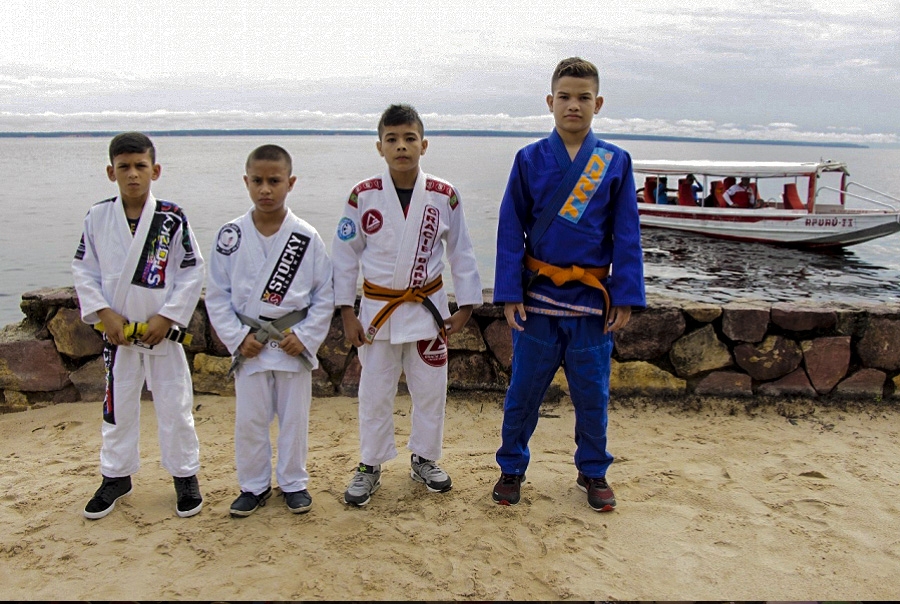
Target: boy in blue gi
column 569, row 269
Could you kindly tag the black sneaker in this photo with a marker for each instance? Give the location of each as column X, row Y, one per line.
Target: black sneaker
column 247, row 503
column 507, row 490
column 298, row 502
column 600, row 496
column 104, row 500
column 187, row 492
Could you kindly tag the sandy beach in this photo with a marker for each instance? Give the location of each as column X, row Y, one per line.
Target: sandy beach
column 786, row 502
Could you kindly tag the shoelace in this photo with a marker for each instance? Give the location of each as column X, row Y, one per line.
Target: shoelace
column 107, row 490
column 509, row 479
column 188, row 488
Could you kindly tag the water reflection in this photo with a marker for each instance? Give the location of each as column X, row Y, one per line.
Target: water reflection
column 695, row 267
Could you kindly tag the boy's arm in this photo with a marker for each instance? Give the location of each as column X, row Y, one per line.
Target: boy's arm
column 313, row 330
column 353, row 328
column 187, row 278
column 221, row 313
column 511, row 237
column 626, row 283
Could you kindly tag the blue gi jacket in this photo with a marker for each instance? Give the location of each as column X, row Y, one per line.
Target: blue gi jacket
column 596, row 230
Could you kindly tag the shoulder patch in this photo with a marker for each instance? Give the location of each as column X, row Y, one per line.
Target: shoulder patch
column 366, row 185
column 110, row 200
column 444, row 188
column 346, row 229
column 229, row 239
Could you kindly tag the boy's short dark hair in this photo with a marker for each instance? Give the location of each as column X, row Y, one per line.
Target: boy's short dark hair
column 131, row 142
column 397, row 115
column 270, row 153
column 575, row 67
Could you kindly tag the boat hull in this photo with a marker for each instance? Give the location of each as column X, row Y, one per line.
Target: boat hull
column 829, row 227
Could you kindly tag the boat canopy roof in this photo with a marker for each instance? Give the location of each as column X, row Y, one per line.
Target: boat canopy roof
column 758, row 169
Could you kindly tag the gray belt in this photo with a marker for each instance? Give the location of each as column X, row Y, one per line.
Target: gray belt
column 264, row 331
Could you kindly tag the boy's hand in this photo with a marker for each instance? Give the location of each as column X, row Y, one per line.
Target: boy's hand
column 618, row 317
column 353, row 329
column 458, row 320
column 509, row 311
column 113, row 326
column 250, row 347
column 157, row 327
column 292, row 345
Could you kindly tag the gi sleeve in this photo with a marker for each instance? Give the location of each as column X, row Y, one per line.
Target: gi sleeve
column 87, row 276
column 462, row 259
column 347, row 248
column 222, row 313
column 511, row 235
column 187, row 281
column 626, row 281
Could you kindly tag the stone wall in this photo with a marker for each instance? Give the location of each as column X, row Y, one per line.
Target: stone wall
column 673, row 350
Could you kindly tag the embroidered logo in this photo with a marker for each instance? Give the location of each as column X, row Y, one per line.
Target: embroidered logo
column 346, row 229
column 372, row 221
column 285, row 269
column 428, row 232
column 229, row 239
column 151, row 269
column 433, row 352
column 584, row 189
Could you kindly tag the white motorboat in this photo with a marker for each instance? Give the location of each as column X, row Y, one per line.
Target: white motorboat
column 802, row 204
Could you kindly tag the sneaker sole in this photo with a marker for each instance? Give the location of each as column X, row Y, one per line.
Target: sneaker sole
column 417, row 478
column 244, row 513
column 369, row 498
column 189, row 513
column 299, row 510
column 104, row 513
column 606, row 507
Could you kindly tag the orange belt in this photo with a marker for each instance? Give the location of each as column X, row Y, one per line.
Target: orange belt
column 396, row 297
column 589, row 276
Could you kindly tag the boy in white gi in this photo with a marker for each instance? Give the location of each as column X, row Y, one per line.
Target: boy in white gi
column 270, row 300
column 397, row 226
column 138, row 262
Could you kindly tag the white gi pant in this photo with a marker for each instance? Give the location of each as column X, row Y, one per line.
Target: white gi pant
column 260, row 397
column 169, row 379
column 382, row 363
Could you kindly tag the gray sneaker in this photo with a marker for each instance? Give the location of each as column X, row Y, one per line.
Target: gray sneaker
column 428, row 472
column 365, row 482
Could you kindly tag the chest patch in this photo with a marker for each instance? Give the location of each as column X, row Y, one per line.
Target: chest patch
column 372, row 221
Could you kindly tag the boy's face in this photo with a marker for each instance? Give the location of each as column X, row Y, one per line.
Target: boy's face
column 574, row 103
column 133, row 172
column 401, row 147
column 268, row 183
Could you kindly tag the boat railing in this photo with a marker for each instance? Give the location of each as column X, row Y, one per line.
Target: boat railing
column 846, row 191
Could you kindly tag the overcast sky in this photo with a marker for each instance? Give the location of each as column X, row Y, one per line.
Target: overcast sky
column 798, row 70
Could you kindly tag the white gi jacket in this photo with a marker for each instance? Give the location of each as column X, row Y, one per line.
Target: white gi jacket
column 295, row 275
column 400, row 252
column 158, row 271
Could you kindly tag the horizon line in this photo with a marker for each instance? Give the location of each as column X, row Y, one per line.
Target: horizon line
column 436, row 132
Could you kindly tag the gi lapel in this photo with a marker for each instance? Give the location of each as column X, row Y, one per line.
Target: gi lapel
column 417, row 241
column 280, row 267
column 135, row 249
column 578, row 184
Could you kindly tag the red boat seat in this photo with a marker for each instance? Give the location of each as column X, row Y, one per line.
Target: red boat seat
column 650, row 189
column 791, row 197
column 718, row 187
column 685, row 194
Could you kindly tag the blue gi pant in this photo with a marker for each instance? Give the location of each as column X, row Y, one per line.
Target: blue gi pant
column 579, row 344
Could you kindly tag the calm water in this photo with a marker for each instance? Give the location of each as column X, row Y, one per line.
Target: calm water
column 47, row 185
